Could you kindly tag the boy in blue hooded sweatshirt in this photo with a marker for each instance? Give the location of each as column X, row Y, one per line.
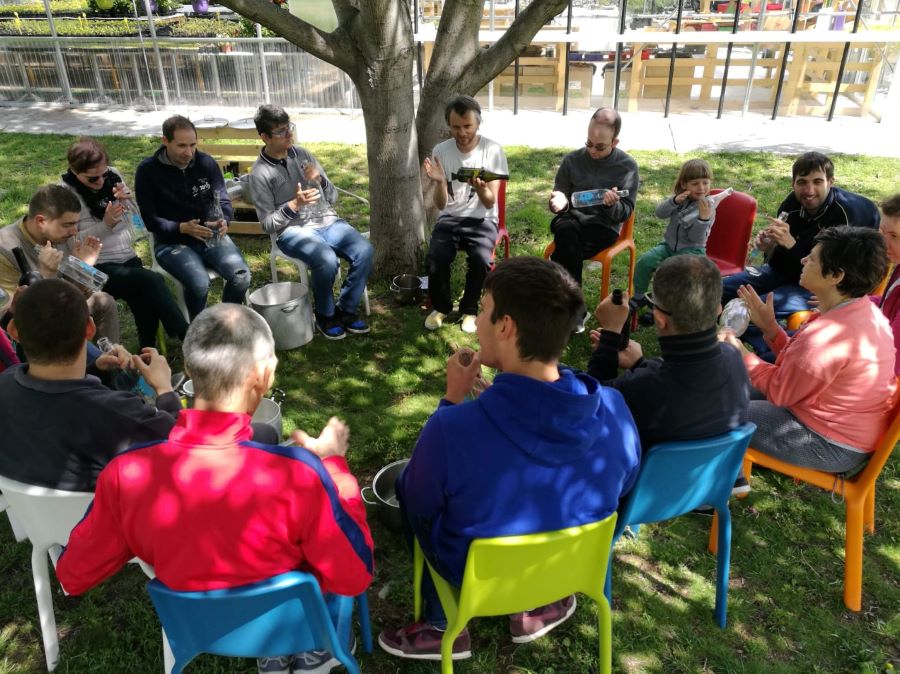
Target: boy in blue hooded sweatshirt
column 542, row 448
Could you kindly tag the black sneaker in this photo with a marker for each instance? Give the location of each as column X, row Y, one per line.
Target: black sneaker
column 330, row 327
column 352, row 323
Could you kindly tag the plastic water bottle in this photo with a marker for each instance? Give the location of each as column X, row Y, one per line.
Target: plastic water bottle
column 79, row 272
column 132, row 214
column 214, row 215
column 316, row 209
column 716, row 199
column 586, row 198
column 131, row 381
column 735, row 316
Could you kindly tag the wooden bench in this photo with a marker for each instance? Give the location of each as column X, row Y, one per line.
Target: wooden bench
column 237, row 159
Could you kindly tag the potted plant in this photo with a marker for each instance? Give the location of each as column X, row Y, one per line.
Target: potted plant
column 200, row 6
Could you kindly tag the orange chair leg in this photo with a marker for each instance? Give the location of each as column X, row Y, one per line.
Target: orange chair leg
column 714, row 535
column 631, row 263
column 604, row 284
column 869, row 519
column 853, row 555
column 748, row 468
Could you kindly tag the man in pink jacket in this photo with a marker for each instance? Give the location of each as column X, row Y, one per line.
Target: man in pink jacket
column 208, row 508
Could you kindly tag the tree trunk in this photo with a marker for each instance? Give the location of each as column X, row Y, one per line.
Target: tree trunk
column 397, row 213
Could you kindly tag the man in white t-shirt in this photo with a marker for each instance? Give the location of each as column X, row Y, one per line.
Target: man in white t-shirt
column 468, row 217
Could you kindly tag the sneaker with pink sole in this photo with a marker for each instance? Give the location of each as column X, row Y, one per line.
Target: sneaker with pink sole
column 421, row 641
column 530, row 625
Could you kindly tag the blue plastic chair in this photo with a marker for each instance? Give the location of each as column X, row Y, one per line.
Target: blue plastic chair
column 675, row 478
column 281, row 615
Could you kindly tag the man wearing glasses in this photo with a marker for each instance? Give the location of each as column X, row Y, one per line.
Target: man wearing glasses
column 699, row 386
column 582, row 232
column 294, row 201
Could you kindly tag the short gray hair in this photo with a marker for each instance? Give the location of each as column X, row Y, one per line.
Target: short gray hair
column 690, row 287
column 222, row 345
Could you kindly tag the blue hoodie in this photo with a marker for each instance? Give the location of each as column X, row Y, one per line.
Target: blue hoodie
column 526, row 456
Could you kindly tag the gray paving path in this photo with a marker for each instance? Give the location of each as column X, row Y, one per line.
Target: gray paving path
column 640, row 131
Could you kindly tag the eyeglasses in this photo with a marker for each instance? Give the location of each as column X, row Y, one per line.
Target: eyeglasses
column 654, row 305
column 281, row 133
column 600, row 147
column 94, row 179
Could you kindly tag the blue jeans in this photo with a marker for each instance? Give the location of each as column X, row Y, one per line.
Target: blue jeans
column 188, row 263
column 319, row 248
column 789, row 297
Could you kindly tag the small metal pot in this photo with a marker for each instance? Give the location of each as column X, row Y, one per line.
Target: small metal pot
column 269, row 411
column 382, row 495
column 407, row 288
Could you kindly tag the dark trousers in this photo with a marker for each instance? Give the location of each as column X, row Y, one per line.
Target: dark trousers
column 432, row 611
column 147, row 296
column 476, row 238
column 576, row 242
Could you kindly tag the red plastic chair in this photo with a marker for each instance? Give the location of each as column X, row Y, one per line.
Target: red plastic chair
column 502, row 232
column 730, row 236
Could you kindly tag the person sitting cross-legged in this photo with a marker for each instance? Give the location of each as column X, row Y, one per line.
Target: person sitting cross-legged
column 247, row 511
column 540, row 424
column 294, row 200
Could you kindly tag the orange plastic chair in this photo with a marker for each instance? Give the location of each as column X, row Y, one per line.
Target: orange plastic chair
column 605, row 256
column 859, row 497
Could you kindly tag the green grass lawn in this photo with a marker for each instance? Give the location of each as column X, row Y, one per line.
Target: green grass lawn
column 785, row 609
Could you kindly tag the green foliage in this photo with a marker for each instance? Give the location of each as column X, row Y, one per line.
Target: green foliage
column 37, row 8
column 198, row 27
column 192, row 27
column 126, row 8
column 785, row 608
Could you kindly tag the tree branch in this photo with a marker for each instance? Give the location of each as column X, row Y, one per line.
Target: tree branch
column 335, row 48
column 490, row 62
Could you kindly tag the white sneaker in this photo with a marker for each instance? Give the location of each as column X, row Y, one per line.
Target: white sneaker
column 468, row 324
column 435, row 320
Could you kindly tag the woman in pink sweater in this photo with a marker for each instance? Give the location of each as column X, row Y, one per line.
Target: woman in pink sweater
column 829, row 392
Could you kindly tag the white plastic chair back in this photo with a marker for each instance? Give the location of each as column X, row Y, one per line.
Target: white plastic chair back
column 47, row 517
column 17, row 530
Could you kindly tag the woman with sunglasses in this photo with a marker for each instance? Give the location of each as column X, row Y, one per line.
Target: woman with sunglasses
column 825, row 401
column 102, row 192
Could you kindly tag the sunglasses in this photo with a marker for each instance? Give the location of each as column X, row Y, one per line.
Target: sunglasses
column 600, row 147
column 281, row 133
column 654, row 305
column 94, row 179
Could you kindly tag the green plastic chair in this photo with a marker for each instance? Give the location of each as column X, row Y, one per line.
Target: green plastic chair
column 509, row 574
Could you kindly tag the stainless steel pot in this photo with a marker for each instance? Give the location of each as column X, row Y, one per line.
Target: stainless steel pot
column 407, row 288
column 382, row 495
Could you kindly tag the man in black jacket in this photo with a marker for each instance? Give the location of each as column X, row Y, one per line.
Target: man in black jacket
column 182, row 197
column 699, row 386
column 814, row 204
column 60, row 426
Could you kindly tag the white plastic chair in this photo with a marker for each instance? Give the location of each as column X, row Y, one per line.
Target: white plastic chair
column 47, row 517
column 17, row 530
column 179, row 289
column 302, row 269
